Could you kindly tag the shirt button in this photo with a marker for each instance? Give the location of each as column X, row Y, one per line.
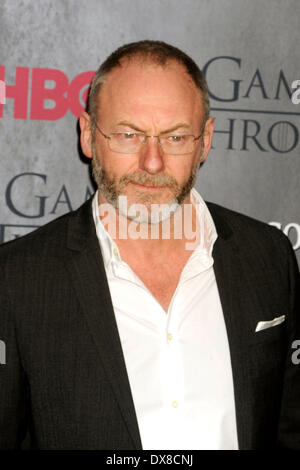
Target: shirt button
column 174, row 404
column 169, row 336
column 115, row 251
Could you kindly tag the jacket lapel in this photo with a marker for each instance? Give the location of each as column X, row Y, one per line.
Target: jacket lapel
column 233, row 287
column 86, row 269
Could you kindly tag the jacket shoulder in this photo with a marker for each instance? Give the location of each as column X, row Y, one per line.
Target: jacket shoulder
column 51, row 236
column 256, row 241
column 257, row 247
column 229, row 221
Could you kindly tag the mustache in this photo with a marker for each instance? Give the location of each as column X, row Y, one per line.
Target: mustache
column 148, row 180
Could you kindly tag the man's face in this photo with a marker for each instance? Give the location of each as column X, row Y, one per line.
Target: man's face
column 145, row 97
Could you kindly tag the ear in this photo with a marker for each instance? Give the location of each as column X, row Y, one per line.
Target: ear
column 86, row 134
column 207, row 137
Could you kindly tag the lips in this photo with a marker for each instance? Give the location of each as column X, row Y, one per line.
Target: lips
column 144, row 186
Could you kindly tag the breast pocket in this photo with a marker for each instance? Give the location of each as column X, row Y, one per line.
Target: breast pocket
column 270, row 334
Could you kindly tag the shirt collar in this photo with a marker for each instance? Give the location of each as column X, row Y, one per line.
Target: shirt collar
column 109, row 248
column 208, row 235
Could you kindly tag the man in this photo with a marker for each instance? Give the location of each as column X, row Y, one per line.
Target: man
column 147, row 318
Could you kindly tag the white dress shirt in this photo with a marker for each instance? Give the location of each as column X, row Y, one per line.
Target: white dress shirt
column 178, row 363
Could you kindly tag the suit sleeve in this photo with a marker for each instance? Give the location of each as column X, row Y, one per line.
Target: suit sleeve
column 289, row 423
column 13, row 384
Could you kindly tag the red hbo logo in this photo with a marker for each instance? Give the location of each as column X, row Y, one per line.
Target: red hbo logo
column 63, row 95
column 2, row 92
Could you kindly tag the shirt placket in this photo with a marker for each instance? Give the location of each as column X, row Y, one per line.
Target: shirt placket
column 173, row 377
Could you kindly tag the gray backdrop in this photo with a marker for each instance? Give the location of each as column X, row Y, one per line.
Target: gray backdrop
column 249, row 51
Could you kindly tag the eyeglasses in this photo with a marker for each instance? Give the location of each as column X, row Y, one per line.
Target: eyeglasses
column 133, row 142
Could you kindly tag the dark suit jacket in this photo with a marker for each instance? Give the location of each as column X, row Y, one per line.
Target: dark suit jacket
column 65, row 382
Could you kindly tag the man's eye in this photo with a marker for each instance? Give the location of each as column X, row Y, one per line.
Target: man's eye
column 176, row 138
column 128, row 135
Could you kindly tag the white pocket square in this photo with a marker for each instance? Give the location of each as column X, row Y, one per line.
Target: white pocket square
column 262, row 325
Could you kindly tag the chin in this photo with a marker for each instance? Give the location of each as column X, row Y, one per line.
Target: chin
column 147, row 212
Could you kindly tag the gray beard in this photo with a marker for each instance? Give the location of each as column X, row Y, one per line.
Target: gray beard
column 158, row 212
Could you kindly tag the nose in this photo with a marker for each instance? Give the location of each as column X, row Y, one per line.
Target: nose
column 151, row 157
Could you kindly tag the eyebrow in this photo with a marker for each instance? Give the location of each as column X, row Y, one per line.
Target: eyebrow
column 180, row 125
